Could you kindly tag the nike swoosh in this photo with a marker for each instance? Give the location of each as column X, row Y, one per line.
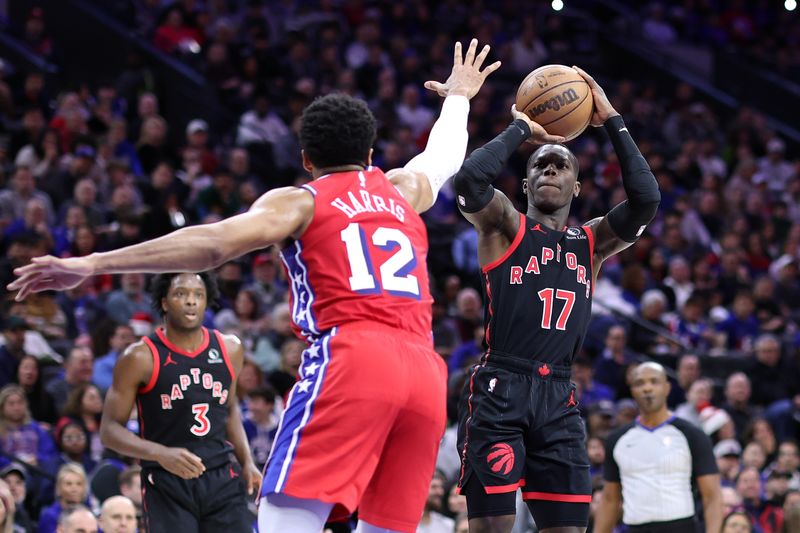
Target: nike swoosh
column 521, row 131
column 623, row 128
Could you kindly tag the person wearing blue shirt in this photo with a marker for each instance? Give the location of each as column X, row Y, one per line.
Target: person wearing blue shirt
column 104, row 366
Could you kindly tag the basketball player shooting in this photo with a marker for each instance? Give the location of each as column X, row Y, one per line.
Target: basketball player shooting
column 183, row 382
column 362, row 426
column 519, row 425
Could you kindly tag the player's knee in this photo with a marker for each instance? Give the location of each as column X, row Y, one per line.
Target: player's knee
column 491, row 524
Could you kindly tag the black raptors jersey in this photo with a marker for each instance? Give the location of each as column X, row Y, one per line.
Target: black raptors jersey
column 185, row 403
column 539, row 294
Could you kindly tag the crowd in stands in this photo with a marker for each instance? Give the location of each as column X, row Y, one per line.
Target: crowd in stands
column 711, row 289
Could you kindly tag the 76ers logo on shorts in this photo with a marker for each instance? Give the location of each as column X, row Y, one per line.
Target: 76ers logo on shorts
column 501, row 458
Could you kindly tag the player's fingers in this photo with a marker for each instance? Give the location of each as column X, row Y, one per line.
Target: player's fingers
column 458, row 59
column 585, row 75
column 470, row 57
column 482, row 56
column 491, row 68
column 434, row 86
column 553, row 138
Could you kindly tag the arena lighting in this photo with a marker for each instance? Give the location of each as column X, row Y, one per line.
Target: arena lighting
column 558, row 5
column 790, row 5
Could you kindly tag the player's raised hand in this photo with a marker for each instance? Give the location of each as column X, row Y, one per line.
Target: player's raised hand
column 603, row 109
column 252, row 479
column 49, row 273
column 181, row 462
column 466, row 77
column 538, row 133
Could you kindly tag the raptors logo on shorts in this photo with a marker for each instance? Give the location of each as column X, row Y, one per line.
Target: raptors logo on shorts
column 501, row 460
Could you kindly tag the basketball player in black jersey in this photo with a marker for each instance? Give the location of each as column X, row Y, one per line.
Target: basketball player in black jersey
column 183, row 382
column 519, row 422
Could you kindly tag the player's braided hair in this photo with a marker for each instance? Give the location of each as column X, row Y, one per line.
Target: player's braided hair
column 159, row 286
column 337, row 130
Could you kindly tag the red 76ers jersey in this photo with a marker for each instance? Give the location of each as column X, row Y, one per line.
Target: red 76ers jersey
column 362, row 258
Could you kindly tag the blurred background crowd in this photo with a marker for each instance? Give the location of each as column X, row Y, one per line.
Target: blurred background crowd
column 711, row 290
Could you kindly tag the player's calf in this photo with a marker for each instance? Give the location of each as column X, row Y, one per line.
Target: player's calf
column 492, row 524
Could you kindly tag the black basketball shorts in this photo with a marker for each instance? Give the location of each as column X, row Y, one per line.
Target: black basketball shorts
column 215, row 502
column 519, row 427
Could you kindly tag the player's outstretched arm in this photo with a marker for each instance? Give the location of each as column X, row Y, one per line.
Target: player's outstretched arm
column 133, row 369
column 627, row 221
column 422, row 177
column 234, row 429
column 488, row 209
column 278, row 214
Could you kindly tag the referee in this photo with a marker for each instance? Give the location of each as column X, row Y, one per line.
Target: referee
column 652, row 463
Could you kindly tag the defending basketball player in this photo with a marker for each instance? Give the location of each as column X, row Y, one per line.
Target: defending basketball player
column 183, row 382
column 519, row 422
column 362, row 426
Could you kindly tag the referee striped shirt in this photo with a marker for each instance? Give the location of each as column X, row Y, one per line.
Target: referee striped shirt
column 656, row 468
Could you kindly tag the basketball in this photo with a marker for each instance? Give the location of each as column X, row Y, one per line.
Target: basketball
column 558, row 98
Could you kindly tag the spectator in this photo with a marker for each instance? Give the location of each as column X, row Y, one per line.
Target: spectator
column 73, row 444
column 131, row 298
column 283, row 378
column 75, row 519
column 697, row 399
column 130, row 486
column 118, row 515
column 12, row 350
column 21, row 437
column 261, row 125
column 261, row 423
column 737, row 401
column 15, row 477
column 23, row 188
column 727, row 452
column 688, row 372
column 588, row 390
column 77, row 371
column 433, row 521
column 737, row 522
column 40, row 403
column 609, row 369
column 72, row 488
column 104, row 366
column 773, row 377
column 85, row 407
column 267, row 280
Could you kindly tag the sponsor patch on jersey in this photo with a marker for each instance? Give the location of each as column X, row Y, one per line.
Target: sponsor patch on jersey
column 213, row 356
column 575, row 233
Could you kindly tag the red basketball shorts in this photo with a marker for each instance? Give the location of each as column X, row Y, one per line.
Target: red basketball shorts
column 362, row 426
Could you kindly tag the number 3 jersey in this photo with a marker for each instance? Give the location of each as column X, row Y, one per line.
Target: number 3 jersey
column 185, row 402
column 539, row 294
column 362, row 258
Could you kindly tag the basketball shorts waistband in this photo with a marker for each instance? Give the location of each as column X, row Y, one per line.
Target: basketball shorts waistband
column 531, row 367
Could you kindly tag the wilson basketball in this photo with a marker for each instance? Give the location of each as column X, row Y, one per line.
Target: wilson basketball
column 558, row 98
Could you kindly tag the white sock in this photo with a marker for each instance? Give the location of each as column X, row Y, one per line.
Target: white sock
column 278, row 513
column 364, row 527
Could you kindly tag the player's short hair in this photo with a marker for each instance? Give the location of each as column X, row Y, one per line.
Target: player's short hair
column 337, row 130
column 159, row 287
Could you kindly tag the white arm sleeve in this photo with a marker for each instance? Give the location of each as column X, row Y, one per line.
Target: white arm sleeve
column 447, row 144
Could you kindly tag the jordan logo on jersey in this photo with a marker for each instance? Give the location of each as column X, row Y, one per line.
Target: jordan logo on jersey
column 194, row 377
column 548, row 255
column 169, row 360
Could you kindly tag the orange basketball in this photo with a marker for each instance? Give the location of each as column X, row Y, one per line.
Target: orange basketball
column 558, row 98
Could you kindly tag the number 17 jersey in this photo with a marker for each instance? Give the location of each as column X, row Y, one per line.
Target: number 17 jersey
column 362, row 258
column 539, row 294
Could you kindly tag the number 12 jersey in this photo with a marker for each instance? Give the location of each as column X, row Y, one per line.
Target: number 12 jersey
column 362, row 258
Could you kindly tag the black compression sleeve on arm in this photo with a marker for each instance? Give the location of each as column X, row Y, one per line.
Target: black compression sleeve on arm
column 630, row 218
column 473, row 181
